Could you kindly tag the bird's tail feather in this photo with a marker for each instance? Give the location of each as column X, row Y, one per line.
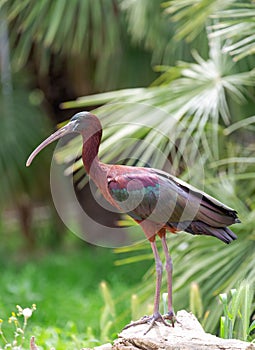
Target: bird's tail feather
column 222, row 233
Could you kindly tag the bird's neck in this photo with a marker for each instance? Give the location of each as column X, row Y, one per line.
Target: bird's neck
column 97, row 171
column 90, row 152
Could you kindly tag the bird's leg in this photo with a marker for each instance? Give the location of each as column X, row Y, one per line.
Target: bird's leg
column 169, row 269
column 156, row 314
column 159, row 271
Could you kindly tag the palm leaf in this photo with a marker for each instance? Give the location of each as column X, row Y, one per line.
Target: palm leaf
column 73, row 31
column 41, row 23
column 178, row 110
column 192, row 16
column 22, row 128
column 230, row 20
column 145, row 21
column 83, row 36
column 236, row 26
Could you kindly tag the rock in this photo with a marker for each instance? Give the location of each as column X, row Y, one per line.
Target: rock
column 187, row 334
column 107, row 346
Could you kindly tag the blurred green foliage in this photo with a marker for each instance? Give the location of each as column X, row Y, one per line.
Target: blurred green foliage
column 22, row 126
column 187, row 67
column 74, row 307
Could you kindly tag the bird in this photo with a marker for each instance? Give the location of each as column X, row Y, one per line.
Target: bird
column 159, row 202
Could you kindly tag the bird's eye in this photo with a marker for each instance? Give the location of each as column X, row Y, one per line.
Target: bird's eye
column 74, row 118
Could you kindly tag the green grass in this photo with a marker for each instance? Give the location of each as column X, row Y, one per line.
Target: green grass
column 65, row 286
column 237, row 307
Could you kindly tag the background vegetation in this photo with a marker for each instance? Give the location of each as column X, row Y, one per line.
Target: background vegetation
column 181, row 67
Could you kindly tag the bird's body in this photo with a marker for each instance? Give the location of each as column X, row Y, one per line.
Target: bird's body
column 155, row 199
column 166, row 202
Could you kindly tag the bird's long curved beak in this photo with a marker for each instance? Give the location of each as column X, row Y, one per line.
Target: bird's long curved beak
column 68, row 128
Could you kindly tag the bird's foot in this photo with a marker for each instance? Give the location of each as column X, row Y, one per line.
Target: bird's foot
column 171, row 317
column 157, row 317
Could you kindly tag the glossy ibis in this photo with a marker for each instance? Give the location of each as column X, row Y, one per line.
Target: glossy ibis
column 158, row 201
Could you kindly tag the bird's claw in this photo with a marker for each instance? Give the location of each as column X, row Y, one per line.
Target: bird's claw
column 171, row 317
column 157, row 317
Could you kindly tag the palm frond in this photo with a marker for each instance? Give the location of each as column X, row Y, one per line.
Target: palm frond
column 192, row 16
column 236, row 26
column 230, row 20
column 82, row 25
column 22, row 128
column 145, row 21
column 69, row 30
column 178, row 109
column 244, row 123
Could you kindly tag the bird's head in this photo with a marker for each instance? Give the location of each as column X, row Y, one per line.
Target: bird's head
column 80, row 123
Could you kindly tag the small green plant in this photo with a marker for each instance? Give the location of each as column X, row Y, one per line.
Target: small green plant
column 195, row 300
column 238, row 309
column 108, row 315
column 196, row 305
column 19, row 328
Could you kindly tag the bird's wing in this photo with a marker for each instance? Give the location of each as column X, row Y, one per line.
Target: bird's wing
column 155, row 195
